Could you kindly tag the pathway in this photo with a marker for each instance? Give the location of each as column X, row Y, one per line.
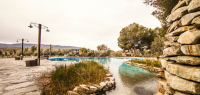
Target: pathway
column 17, row 79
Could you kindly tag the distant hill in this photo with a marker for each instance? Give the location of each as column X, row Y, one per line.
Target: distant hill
column 41, row 46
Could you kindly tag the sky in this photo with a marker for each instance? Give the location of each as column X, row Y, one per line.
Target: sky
column 80, row 23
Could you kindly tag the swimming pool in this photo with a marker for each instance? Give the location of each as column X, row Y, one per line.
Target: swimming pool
column 130, row 80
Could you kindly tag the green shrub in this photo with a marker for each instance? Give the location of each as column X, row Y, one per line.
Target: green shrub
column 153, row 63
column 65, row 78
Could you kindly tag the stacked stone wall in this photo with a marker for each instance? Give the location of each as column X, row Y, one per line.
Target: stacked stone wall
column 182, row 51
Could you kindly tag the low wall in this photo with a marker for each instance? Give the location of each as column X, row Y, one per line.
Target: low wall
column 149, row 68
column 94, row 89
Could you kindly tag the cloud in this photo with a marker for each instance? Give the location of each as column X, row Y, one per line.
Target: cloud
column 82, row 23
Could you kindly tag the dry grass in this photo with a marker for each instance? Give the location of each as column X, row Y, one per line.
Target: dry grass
column 65, row 78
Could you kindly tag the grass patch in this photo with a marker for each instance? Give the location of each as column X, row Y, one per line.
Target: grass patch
column 65, row 78
column 149, row 62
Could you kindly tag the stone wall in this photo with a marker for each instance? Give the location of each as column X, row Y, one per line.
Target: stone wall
column 182, row 51
column 94, row 89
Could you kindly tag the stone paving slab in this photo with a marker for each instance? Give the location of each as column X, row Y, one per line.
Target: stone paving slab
column 17, row 79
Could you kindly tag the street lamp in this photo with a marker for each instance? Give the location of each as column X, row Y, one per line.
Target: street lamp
column 22, row 43
column 39, row 26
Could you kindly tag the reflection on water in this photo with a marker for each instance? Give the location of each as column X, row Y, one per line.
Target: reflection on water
column 130, row 80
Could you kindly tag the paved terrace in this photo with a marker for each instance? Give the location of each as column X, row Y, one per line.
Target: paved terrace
column 17, row 79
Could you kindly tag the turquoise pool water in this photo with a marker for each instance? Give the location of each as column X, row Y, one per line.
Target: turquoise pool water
column 130, row 80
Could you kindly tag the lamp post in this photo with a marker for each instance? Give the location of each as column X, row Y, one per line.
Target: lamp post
column 22, row 43
column 39, row 26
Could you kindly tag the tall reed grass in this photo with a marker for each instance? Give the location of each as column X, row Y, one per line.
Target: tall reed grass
column 65, row 78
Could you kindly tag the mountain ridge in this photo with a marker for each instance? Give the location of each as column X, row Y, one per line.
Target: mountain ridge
column 25, row 45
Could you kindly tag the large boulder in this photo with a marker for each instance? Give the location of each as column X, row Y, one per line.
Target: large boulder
column 194, row 6
column 102, row 84
column 183, row 85
column 186, row 20
column 196, row 22
column 188, row 60
column 190, row 37
column 173, row 26
column 186, row 72
column 181, row 3
column 177, row 14
column 168, row 90
column 191, row 49
column 180, row 30
column 172, row 51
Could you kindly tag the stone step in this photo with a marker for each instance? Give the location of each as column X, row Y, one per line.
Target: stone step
column 191, row 49
column 186, row 72
column 183, row 85
column 163, row 84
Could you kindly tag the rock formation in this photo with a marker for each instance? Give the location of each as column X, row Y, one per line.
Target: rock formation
column 182, row 51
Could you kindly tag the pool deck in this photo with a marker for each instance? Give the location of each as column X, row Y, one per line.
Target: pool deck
column 17, row 79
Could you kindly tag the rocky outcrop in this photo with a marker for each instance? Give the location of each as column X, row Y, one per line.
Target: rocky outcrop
column 182, row 51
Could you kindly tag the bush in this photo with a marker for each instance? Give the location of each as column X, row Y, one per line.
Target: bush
column 153, row 63
column 65, row 78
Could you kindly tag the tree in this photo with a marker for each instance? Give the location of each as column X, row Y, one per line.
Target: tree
column 84, row 51
column 1, row 52
column 157, row 45
column 164, row 8
column 33, row 49
column 102, row 47
column 135, row 36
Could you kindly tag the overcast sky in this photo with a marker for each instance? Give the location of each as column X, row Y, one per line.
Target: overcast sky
column 81, row 23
